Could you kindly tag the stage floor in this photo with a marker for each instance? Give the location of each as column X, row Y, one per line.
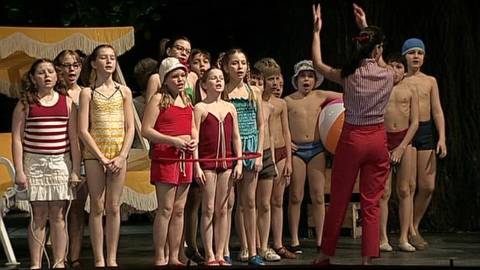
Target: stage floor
column 135, row 250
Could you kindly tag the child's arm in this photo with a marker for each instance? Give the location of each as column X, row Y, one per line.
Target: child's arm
column 129, row 122
column 261, row 129
column 287, row 171
column 83, row 122
column 199, row 115
column 18, row 124
column 237, row 145
column 438, row 118
column 326, row 70
column 271, row 139
column 397, row 153
column 148, row 131
column 74, row 143
column 152, row 87
column 119, row 161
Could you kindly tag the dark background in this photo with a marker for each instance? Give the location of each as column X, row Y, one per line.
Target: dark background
column 282, row 30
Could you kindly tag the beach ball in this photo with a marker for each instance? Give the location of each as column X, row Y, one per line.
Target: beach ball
column 330, row 123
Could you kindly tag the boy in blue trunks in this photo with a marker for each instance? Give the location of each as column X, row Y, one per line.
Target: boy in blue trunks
column 401, row 123
column 429, row 107
column 308, row 158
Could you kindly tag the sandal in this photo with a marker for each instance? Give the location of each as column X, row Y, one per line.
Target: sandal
column 212, row 263
column 285, row 253
column 321, row 262
column 75, row 264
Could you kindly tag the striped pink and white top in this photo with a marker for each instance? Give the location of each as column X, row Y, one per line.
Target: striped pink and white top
column 366, row 93
column 46, row 128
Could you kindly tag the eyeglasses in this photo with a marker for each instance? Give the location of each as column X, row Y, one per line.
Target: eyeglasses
column 69, row 66
column 181, row 48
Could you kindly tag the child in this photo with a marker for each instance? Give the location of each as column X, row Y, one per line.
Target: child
column 304, row 107
column 266, row 175
column 199, row 62
column 168, row 124
column 178, row 47
column 280, row 132
column 69, row 63
column 429, row 100
column 218, row 128
column 401, row 123
column 142, row 72
column 107, row 129
column 45, row 149
column 250, row 119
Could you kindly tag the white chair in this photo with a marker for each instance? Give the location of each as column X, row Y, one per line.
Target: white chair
column 7, row 201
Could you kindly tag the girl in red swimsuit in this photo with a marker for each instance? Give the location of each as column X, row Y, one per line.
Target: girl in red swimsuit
column 217, row 124
column 168, row 125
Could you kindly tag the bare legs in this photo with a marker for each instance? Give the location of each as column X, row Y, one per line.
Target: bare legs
column 168, row 222
column 316, row 175
column 54, row 211
column 105, row 192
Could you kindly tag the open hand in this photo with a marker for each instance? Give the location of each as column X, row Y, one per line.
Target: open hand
column 360, row 17
column 317, row 18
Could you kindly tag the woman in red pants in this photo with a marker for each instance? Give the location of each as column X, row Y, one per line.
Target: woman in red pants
column 362, row 147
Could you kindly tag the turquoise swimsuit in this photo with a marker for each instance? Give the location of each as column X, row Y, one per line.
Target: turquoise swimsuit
column 247, row 124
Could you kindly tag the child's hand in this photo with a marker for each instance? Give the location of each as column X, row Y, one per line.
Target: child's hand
column 396, row 155
column 237, row 171
column 192, row 145
column 441, row 149
column 21, row 180
column 117, row 164
column 294, row 147
column 258, row 164
column 180, row 143
column 200, row 176
column 74, row 180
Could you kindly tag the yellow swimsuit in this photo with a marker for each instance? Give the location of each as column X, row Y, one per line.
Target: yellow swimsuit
column 107, row 125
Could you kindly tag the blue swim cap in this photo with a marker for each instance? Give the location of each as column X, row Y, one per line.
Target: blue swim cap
column 411, row 44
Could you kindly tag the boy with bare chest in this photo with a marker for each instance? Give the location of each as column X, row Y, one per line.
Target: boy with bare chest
column 424, row 141
column 308, row 158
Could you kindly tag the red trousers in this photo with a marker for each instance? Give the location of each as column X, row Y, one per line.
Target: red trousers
column 364, row 149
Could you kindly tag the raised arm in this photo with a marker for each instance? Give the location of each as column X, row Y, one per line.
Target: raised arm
column 360, row 16
column 326, row 70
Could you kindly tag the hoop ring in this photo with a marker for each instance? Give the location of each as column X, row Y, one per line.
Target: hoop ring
column 246, row 155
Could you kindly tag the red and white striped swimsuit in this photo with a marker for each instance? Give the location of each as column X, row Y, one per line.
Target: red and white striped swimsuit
column 46, row 128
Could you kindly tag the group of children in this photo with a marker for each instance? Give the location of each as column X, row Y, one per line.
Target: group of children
column 201, row 119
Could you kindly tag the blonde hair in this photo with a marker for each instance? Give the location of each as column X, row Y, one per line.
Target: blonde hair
column 167, row 98
column 268, row 67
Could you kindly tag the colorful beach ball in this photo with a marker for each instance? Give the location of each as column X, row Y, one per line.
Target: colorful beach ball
column 330, row 123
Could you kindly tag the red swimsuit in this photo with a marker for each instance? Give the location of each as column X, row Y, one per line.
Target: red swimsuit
column 216, row 142
column 173, row 121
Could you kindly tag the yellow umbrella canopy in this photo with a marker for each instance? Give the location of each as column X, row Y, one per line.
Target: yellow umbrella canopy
column 20, row 46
